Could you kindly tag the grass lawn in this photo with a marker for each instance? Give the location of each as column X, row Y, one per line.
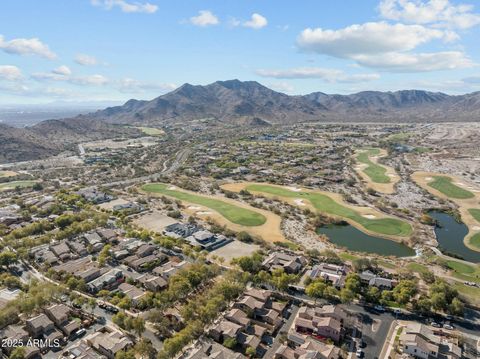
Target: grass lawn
column 374, row 171
column 400, row 137
column 417, row 267
column 475, row 213
column 347, row 256
column 444, row 184
column 471, row 294
column 325, row 204
column 14, row 184
column 464, row 271
column 386, row 264
column 234, row 214
column 7, row 173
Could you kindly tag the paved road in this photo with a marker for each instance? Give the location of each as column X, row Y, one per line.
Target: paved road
column 373, row 328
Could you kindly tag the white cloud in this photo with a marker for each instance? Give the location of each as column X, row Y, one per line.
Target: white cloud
column 385, row 46
column 328, row 75
column 204, row 18
column 62, row 70
column 368, row 38
column 257, row 21
column 31, row 46
column 127, row 6
column 97, row 80
column 10, row 73
column 421, row 62
column 86, row 60
column 129, row 85
column 63, row 73
column 435, row 12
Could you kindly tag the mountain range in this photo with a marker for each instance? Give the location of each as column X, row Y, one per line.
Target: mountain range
column 235, row 102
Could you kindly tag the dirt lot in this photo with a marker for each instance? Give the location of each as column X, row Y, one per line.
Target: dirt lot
column 154, row 221
column 235, row 249
column 109, row 205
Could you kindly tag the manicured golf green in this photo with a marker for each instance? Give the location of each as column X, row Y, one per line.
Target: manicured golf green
column 325, row 204
column 14, row 184
column 475, row 241
column 444, row 184
column 234, row 214
column 475, row 213
column 374, row 171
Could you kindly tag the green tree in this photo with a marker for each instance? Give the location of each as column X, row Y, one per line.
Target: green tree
column 316, row 289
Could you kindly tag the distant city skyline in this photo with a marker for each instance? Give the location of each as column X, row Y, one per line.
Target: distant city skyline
column 114, row 50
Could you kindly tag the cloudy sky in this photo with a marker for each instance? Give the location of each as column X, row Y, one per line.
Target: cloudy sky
column 84, row 50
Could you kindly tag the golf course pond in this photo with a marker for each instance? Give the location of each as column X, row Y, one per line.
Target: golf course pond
column 347, row 236
column 450, row 235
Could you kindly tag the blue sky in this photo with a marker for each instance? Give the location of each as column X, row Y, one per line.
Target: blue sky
column 97, row 50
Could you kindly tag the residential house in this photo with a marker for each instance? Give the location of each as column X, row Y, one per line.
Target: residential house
column 108, row 343
column 288, row 262
column 135, row 294
column 333, row 273
column 109, row 280
column 374, row 280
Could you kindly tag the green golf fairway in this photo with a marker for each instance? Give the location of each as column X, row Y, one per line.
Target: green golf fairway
column 444, row 184
column 374, row 171
column 234, row 214
column 475, row 213
column 15, row 184
column 325, row 204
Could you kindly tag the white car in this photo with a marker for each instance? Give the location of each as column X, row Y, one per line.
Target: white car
column 359, row 353
column 379, row 308
column 448, row 326
column 435, row 325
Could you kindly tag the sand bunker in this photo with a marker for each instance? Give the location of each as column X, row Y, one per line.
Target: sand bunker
column 171, row 188
column 203, row 213
column 299, row 202
column 295, row 189
column 369, row 216
column 194, row 208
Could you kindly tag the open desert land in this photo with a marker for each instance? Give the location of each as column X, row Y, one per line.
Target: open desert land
column 235, row 215
column 377, row 176
column 464, row 194
column 7, row 174
column 120, row 144
column 366, row 219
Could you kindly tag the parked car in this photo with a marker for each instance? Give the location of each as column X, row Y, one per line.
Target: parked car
column 359, row 353
column 379, row 308
column 79, row 333
column 435, row 325
column 448, row 326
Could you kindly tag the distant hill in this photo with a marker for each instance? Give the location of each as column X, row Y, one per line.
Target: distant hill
column 235, row 102
column 50, row 137
column 230, row 101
